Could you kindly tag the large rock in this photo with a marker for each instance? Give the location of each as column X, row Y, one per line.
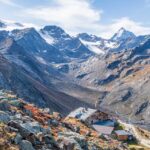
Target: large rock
column 72, row 139
column 18, row 139
column 26, row 145
column 33, row 127
column 23, row 131
column 4, row 105
column 4, row 117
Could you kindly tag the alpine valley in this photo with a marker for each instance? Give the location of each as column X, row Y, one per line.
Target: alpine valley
column 50, row 68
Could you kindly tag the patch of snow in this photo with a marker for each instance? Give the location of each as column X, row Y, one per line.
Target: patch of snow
column 93, row 46
column 95, row 49
column 90, row 43
column 82, row 113
column 120, row 33
column 49, row 39
column 45, row 51
column 111, row 44
column 41, row 60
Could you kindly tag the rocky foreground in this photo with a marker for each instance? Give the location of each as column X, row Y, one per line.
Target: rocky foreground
column 24, row 126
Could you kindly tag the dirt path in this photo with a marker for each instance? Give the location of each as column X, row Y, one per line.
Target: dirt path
column 132, row 129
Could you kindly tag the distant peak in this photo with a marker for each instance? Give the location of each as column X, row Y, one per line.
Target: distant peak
column 53, row 28
column 54, row 31
column 122, row 29
column 122, row 34
column 88, row 37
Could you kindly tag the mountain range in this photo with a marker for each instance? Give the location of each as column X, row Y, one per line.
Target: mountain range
column 51, row 68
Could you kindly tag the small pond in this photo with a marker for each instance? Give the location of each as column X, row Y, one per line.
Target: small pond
column 109, row 123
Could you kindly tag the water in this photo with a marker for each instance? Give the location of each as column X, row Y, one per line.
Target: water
column 105, row 123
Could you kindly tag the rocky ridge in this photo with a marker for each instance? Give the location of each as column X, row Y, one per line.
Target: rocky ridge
column 26, row 127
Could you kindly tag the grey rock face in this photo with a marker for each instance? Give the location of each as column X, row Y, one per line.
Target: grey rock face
column 124, row 78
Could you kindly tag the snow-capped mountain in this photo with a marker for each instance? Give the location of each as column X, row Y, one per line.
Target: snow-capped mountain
column 96, row 44
column 121, row 40
column 123, row 34
column 69, row 46
column 51, row 68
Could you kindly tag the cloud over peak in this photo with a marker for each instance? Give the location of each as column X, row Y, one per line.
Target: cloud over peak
column 75, row 16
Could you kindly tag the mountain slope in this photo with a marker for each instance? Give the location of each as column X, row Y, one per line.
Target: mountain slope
column 51, row 68
column 23, row 74
column 124, row 77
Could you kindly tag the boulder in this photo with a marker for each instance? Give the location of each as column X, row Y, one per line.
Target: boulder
column 33, row 127
column 48, row 139
column 18, row 139
column 53, row 122
column 26, row 145
column 67, row 143
column 4, row 117
column 4, row 105
column 23, row 131
column 72, row 137
column 46, row 130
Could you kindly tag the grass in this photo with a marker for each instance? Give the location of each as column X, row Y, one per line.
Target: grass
column 119, row 126
column 137, row 147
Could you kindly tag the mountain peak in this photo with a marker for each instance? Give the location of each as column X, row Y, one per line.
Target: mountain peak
column 53, row 28
column 122, row 34
column 2, row 24
column 88, row 37
column 54, row 31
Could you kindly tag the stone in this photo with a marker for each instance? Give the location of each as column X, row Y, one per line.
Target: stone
column 4, row 117
column 40, row 136
column 22, row 130
column 28, row 112
column 53, row 122
column 67, row 143
column 48, row 139
column 4, row 105
column 18, row 139
column 33, row 127
column 18, row 116
column 79, row 140
column 46, row 130
column 26, row 145
column 11, row 129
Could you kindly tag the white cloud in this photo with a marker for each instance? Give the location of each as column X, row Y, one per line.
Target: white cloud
column 9, row 2
column 127, row 23
column 78, row 16
column 73, row 15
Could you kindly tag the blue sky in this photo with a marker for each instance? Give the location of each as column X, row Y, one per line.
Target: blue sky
column 101, row 17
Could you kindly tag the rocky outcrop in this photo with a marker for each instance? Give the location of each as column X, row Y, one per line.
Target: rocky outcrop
column 43, row 129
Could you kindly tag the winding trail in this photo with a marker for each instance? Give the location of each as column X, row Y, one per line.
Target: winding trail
column 132, row 129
